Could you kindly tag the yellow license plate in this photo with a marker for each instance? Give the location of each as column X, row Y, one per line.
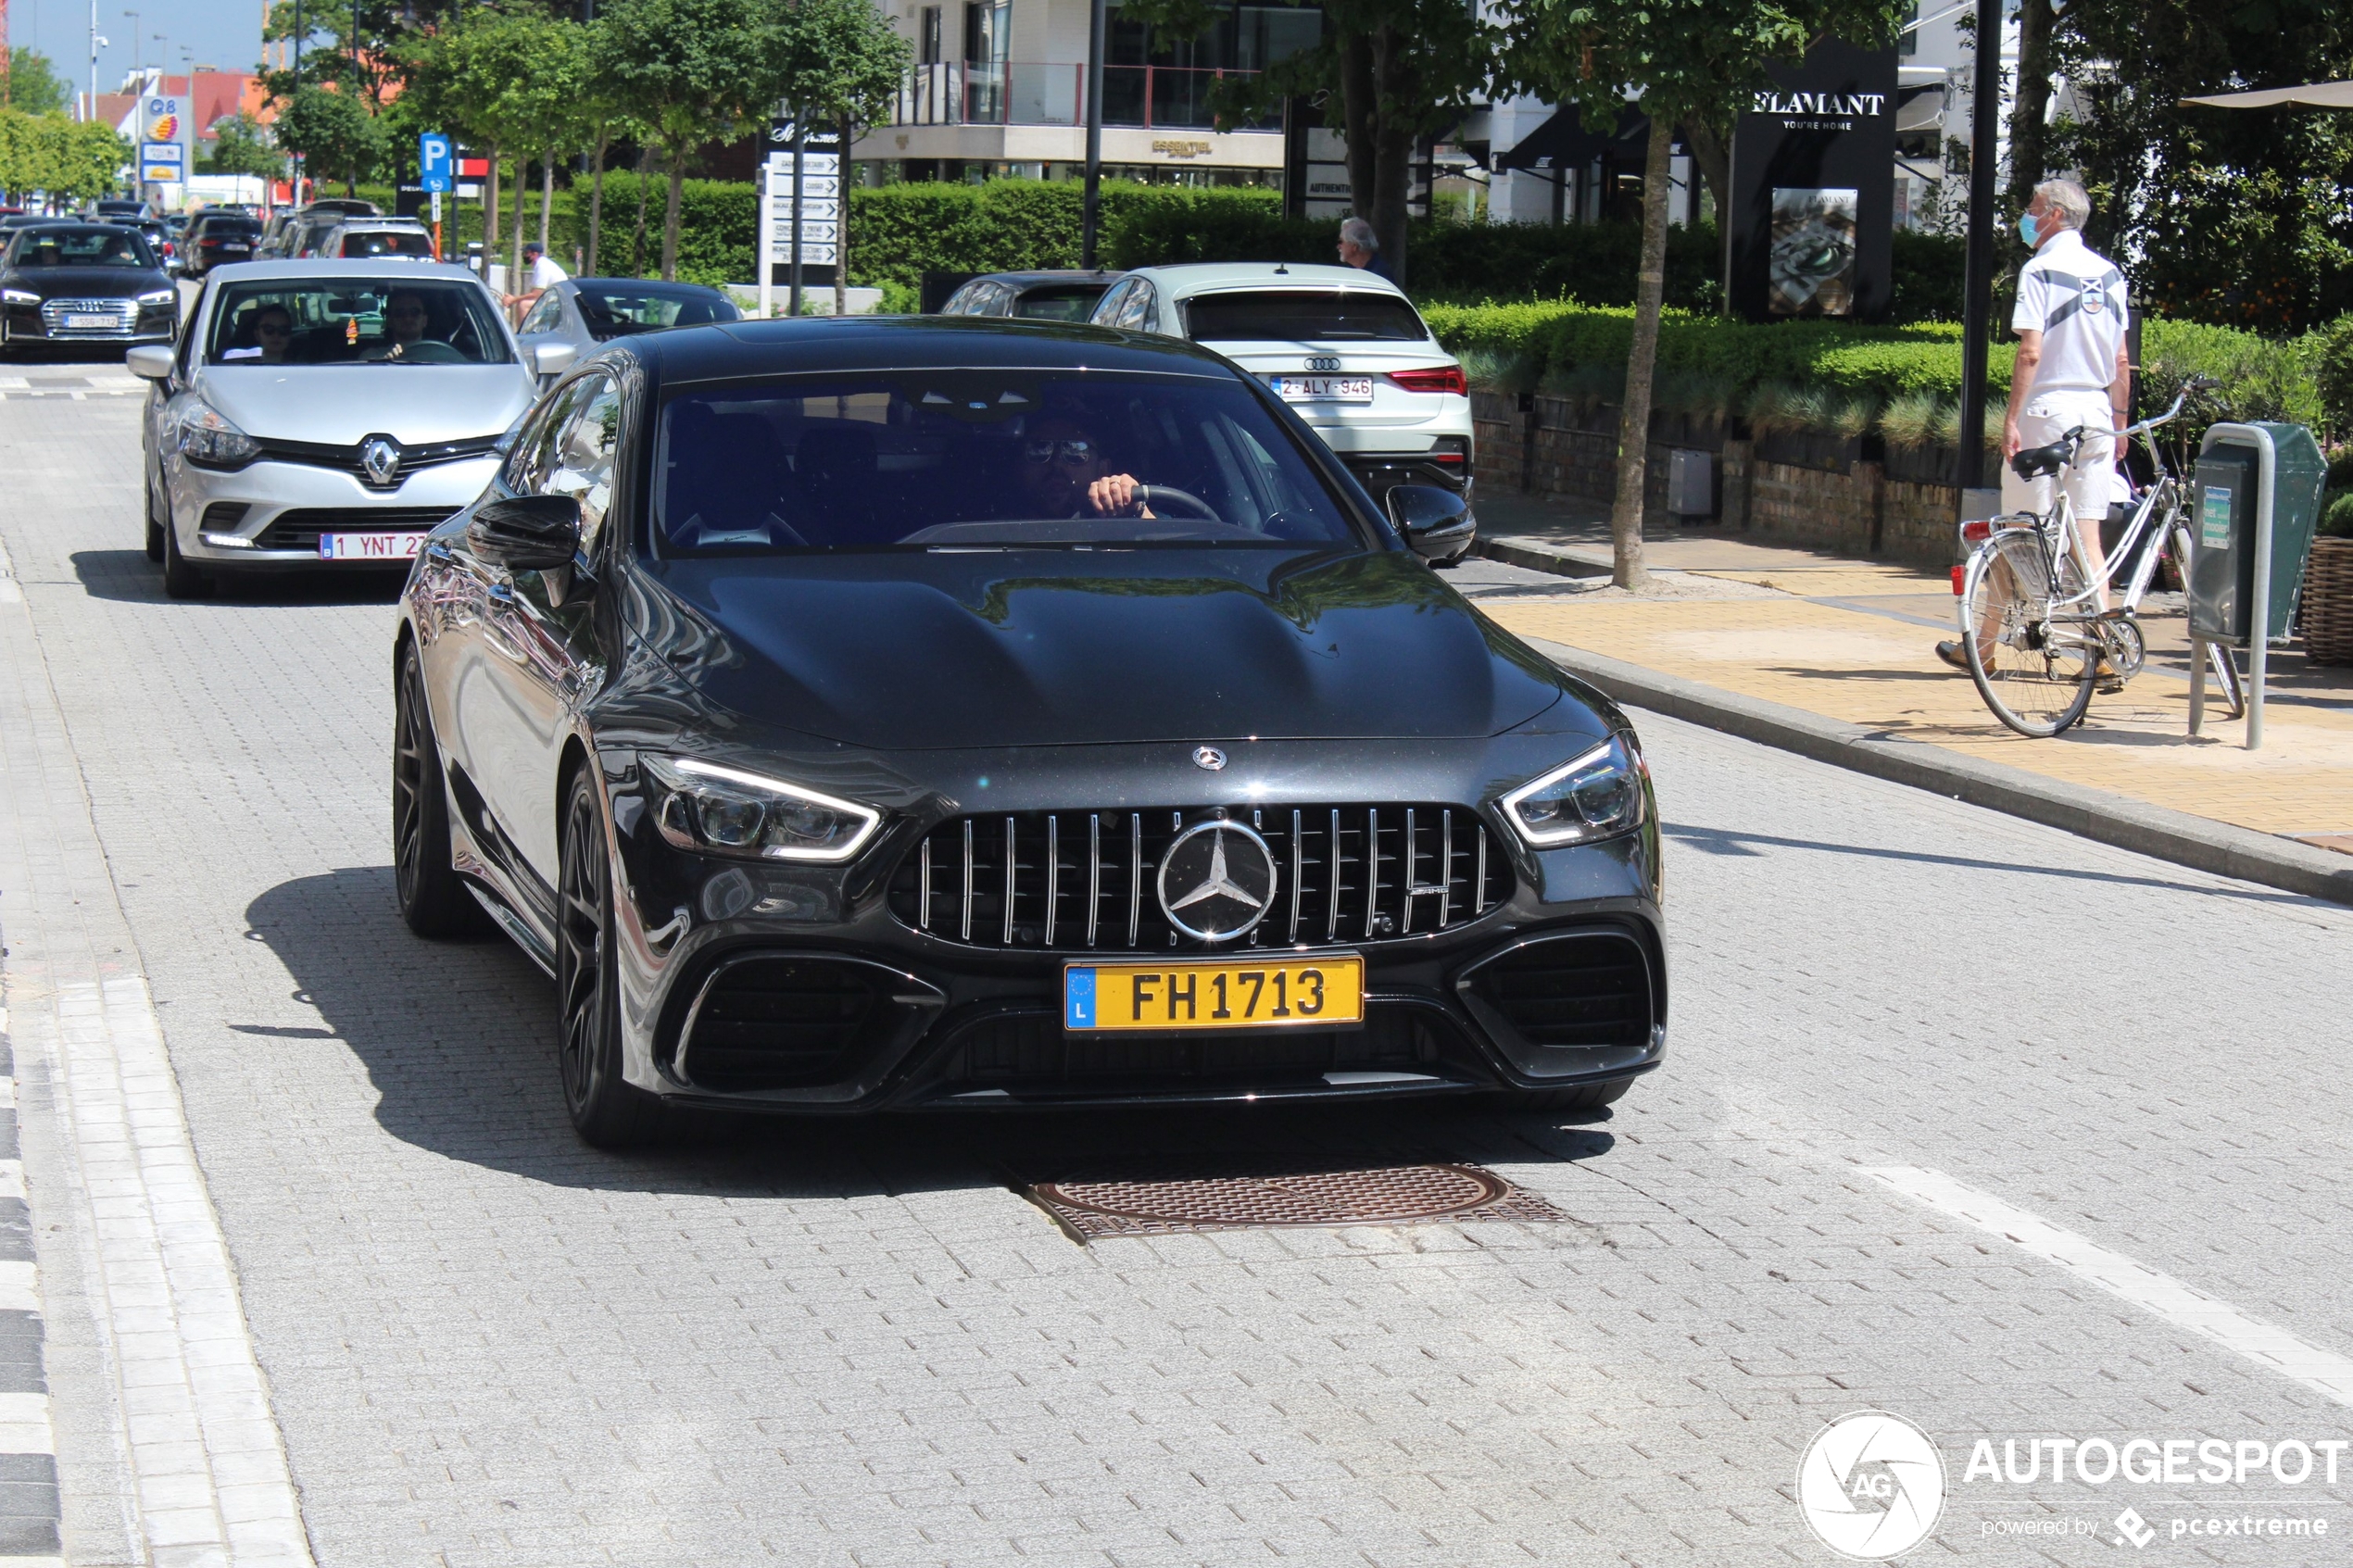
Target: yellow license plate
column 1253, row 995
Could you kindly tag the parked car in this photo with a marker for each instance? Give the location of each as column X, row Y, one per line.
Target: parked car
column 325, row 414
column 159, row 238
column 365, row 239
column 284, row 237
column 219, row 239
column 929, row 711
column 1037, row 296
column 73, row 282
column 591, row 312
column 1343, row 344
column 115, row 209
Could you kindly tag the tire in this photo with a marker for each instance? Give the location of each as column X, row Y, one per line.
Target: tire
column 2040, row 680
column 607, row 1111
column 182, row 579
column 433, row 900
column 1584, row 1097
column 155, row 528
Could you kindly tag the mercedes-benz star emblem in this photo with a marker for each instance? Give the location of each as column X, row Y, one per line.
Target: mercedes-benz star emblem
column 1216, row 881
column 381, row 457
column 1208, row 757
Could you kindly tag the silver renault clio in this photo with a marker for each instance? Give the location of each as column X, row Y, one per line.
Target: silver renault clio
column 325, row 414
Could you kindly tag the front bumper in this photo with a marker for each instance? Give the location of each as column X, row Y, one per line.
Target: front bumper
column 276, row 510
column 29, row 324
column 721, row 961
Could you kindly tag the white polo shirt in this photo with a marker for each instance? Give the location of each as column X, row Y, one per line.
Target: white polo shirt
column 2074, row 296
column 545, row 271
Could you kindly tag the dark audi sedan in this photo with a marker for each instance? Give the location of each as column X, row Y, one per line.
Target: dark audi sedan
column 945, row 712
column 82, row 283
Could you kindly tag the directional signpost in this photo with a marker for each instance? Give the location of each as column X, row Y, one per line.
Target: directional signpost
column 814, row 194
column 437, row 172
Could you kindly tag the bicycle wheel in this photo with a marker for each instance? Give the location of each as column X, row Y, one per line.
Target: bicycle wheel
column 2226, row 675
column 2036, row 677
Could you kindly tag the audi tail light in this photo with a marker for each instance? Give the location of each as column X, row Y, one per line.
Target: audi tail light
column 1442, row 378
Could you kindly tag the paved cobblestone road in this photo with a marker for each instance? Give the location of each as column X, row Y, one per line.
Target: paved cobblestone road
column 854, row 1345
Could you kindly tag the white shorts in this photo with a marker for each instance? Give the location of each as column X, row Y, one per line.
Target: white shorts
column 2048, row 415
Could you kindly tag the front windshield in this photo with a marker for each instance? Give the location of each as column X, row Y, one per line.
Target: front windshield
column 356, row 320
column 84, row 247
column 978, row 459
column 615, row 311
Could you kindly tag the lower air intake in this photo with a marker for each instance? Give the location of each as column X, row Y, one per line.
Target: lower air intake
column 778, row 1024
column 1574, row 991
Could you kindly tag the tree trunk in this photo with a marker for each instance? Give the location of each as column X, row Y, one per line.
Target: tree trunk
column 1392, row 146
column 2028, row 133
column 546, row 194
column 490, row 209
column 1711, row 147
column 1360, row 119
column 514, row 241
column 676, row 157
column 638, row 248
column 1634, row 427
column 596, row 204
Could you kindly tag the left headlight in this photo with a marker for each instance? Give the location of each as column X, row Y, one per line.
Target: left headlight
column 720, row 810
column 1601, row 795
column 20, row 296
column 159, row 296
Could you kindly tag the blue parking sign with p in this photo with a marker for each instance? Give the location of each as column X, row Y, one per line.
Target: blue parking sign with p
column 436, row 164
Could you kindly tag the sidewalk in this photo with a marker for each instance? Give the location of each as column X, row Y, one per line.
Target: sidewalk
column 1834, row 654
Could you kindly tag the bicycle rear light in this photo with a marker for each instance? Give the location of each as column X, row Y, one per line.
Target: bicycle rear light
column 1958, row 572
column 1978, row 531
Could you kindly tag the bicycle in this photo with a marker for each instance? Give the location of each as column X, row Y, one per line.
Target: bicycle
column 2029, row 607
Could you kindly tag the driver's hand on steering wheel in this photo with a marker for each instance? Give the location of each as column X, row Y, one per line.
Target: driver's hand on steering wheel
column 1115, row 496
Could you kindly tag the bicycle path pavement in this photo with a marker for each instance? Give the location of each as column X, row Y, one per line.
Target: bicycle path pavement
column 1831, row 657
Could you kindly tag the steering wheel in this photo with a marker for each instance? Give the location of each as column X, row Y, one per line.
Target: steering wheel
column 428, row 351
column 1156, row 495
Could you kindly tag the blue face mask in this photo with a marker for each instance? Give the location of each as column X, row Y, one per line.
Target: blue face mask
column 2026, row 227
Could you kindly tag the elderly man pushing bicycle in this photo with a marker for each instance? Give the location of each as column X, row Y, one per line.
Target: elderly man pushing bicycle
column 2072, row 370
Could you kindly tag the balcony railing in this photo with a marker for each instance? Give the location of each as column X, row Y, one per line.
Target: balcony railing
column 1037, row 92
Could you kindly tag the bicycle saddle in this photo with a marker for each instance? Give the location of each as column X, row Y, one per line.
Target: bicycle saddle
column 2035, row 461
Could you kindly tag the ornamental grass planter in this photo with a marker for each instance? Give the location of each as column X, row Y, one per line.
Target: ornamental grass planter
column 2328, row 602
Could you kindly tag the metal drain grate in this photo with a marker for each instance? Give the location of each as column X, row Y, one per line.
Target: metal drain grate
column 1385, row 1194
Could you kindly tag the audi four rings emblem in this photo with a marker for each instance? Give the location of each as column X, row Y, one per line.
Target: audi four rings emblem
column 1208, row 757
column 1322, row 364
column 1217, row 881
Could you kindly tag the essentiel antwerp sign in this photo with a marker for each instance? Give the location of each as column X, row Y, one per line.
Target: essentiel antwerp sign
column 1813, row 190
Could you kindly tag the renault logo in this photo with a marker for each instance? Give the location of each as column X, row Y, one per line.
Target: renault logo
column 379, row 455
column 1217, row 881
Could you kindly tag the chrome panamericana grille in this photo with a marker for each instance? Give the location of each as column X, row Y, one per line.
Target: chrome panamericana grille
column 122, row 315
column 1085, row 880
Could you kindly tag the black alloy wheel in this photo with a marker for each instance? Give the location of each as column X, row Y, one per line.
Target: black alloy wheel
column 606, row 1111
column 433, row 900
column 155, row 525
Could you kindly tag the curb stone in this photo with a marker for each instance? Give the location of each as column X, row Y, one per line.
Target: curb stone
column 2199, row 842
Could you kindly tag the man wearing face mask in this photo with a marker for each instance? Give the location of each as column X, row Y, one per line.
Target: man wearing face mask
column 2072, row 370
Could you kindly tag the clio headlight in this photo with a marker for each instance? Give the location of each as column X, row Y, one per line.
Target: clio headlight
column 1601, row 794
column 208, row 439
column 717, row 810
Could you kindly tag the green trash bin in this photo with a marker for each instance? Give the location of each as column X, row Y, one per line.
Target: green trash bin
column 2224, row 503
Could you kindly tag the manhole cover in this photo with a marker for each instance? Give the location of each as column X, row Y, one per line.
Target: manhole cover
column 1385, row 1194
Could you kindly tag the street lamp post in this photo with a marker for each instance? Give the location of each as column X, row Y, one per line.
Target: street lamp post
column 1977, row 291
column 1094, row 131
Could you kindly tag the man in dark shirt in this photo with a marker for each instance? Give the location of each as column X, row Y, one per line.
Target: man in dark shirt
column 1359, row 246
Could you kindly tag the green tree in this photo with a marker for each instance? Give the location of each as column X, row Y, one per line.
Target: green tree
column 1398, row 69
column 64, row 159
column 693, row 72
column 333, row 133
column 241, row 145
column 34, row 84
column 1685, row 60
column 845, row 65
column 2235, row 217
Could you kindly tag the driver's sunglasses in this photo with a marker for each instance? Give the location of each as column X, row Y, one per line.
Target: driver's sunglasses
column 1044, row 452
column 274, row 329
column 406, row 310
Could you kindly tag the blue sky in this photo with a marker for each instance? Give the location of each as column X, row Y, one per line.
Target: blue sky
column 226, row 33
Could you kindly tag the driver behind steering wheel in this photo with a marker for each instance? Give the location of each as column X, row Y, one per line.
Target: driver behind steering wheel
column 1065, row 472
column 406, row 318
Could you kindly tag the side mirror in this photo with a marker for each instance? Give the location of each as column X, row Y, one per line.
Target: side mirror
column 1436, row 522
column 149, row 361
column 552, row 356
column 527, row 532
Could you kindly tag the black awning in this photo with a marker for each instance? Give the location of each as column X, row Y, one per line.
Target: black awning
column 1563, row 142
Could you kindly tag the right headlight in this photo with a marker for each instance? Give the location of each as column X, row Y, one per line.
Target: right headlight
column 206, row 438
column 718, row 810
column 1601, row 795
column 20, row 296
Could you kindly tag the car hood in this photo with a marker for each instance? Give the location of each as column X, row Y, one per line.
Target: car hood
column 87, row 283
column 342, row 404
column 905, row 651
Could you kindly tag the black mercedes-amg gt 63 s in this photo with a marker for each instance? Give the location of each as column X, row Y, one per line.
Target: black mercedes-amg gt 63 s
column 962, row 713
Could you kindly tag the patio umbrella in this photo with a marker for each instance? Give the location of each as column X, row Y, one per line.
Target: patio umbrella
column 2318, row 95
